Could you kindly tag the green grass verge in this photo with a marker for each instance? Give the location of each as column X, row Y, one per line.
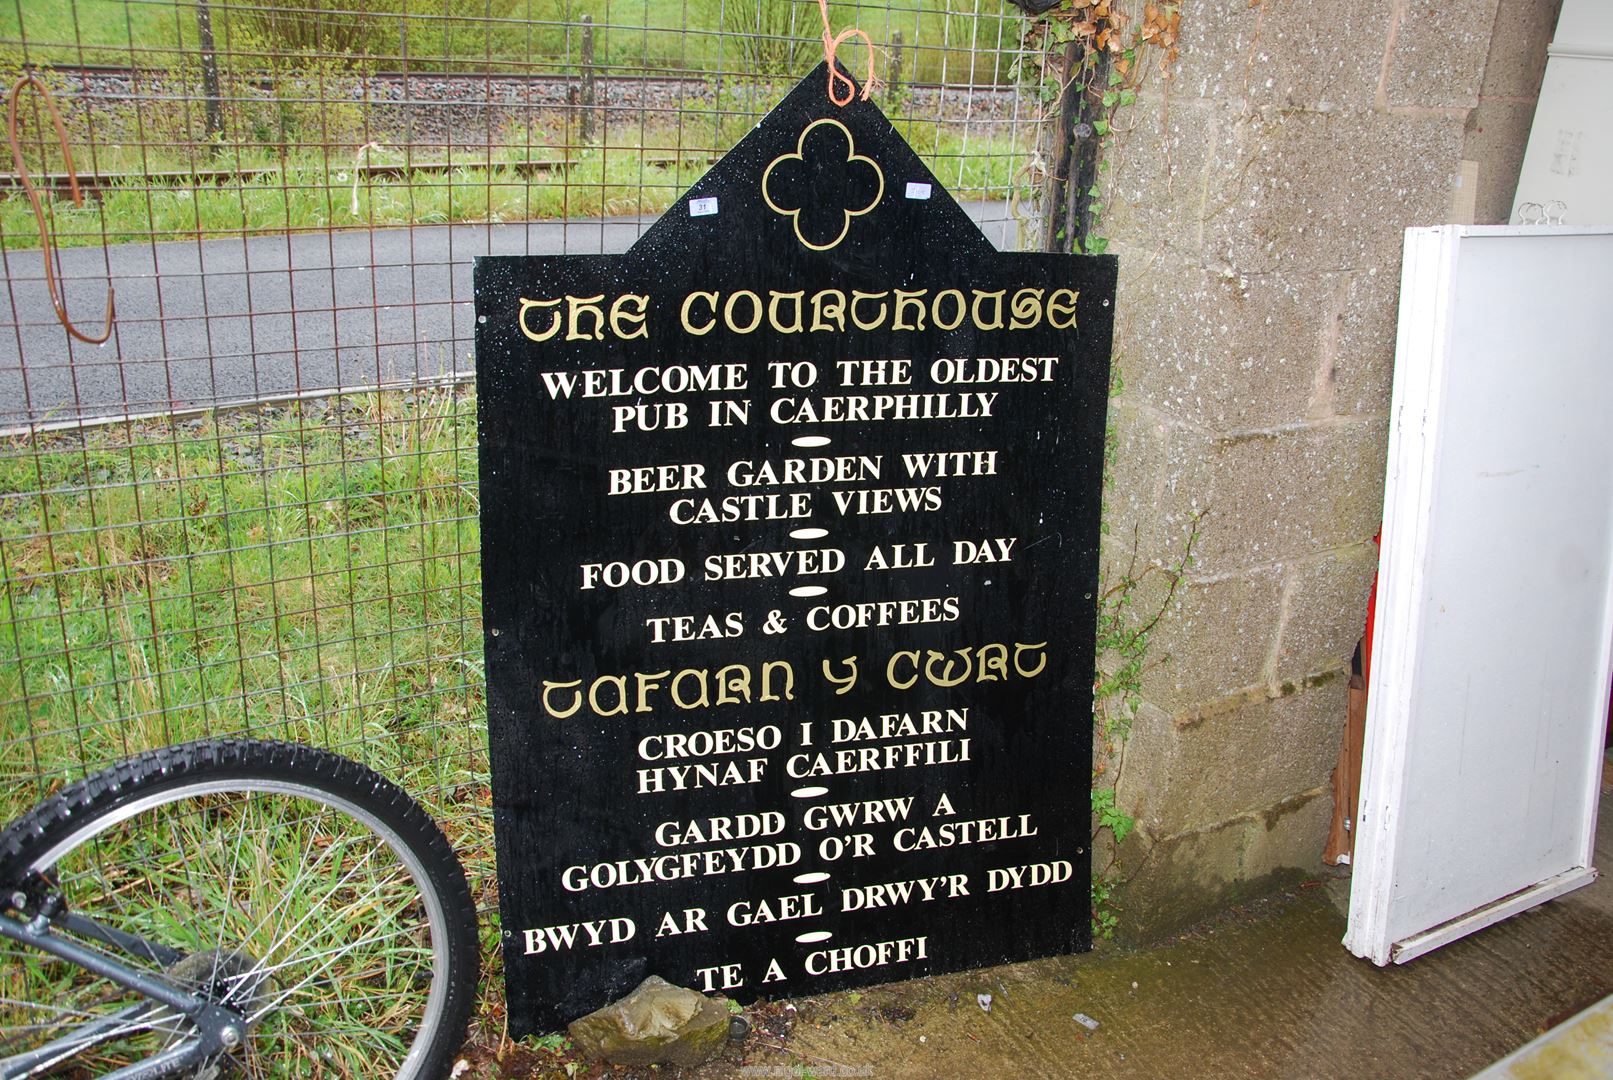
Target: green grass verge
column 310, row 573
column 305, row 122
column 958, row 41
column 314, row 193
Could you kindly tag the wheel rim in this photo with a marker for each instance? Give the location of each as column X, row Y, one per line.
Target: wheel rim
column 346, row 939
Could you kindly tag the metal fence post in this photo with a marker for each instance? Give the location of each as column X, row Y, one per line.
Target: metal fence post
column 204, row 33
column 895, row 67
column 588, row 79
column 1073, row 151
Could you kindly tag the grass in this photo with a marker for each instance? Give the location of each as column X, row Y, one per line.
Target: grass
column 313, row 572
column 310, row 573
column 312, row 196
column 269, row 883
column 94, row 31
column 643, row 176
column 305, row 124
column 959, row 40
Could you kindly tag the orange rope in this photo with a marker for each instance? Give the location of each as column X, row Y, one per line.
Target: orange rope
column 831, row 42
column 49, row 254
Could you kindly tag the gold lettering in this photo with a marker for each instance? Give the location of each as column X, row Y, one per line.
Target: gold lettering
column 629, row 308
column 906, row 298
column 842, row 685
column 554, row 322
column 993, row 662
column 946, row 679
column 576, row 695
column 1041, row 664
column 756, row 311
column 879, row 320
column 912, row 657
column 647, row 681
column 773, row 311
column 736, row 678
column 996, row 322
column 1057, row 308
column 688, row 302
column 699, row 676
column 768, row 667
column 1026, row 309
column 829, row 310
column 621, row 695
column 576, row 308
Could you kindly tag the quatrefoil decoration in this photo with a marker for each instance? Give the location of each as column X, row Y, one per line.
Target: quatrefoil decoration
column 823, row 185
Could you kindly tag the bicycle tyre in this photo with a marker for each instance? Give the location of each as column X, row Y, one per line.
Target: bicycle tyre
column 293, row 859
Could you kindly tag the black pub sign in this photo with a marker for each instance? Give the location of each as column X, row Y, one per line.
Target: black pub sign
column 790, row 547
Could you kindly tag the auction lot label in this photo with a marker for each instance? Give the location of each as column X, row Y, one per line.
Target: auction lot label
column 790, row 530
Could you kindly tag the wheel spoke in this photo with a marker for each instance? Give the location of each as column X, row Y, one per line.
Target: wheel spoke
column 298, row 907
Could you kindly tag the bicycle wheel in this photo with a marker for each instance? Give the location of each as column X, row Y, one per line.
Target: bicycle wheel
column 300, row 890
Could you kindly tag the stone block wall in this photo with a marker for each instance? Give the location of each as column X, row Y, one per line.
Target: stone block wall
column 1257, row 200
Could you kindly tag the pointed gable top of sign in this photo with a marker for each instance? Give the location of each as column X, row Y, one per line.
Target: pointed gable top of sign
column 815, row 180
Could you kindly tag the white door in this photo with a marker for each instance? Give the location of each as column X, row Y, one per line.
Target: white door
column 1490, row 665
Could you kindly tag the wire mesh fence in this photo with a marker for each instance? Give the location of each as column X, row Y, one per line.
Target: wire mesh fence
column 251, row 508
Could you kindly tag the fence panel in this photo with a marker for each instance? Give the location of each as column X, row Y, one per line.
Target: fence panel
column 252, row 506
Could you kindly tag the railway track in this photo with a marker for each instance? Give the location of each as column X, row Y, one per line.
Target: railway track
column 89, row 75
column 439, row 114
column 458, row 107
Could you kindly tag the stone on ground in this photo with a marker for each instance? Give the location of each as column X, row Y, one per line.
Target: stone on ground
column 657, row 1024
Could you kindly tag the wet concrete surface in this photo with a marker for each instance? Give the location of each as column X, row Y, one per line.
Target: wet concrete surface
column 1266, row 991
column 1578, row 1049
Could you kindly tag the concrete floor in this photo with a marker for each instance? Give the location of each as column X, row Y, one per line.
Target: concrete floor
column 1267, row 991
column 1578, row 1049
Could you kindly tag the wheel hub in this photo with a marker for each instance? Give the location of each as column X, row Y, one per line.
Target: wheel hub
column 229, row 980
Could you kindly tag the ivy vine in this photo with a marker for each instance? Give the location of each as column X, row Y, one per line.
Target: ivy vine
column 1086, row 60
column 1125, row 630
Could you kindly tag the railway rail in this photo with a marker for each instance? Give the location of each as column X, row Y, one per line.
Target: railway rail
column 570, row 76
column 435, row 111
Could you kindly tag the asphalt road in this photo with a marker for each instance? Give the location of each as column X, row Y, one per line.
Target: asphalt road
column 225, row 321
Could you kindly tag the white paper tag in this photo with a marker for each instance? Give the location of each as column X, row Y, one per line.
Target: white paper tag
column 703, row 207
column 916, row 190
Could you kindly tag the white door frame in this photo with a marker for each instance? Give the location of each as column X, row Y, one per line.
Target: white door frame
column 1470, row 368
